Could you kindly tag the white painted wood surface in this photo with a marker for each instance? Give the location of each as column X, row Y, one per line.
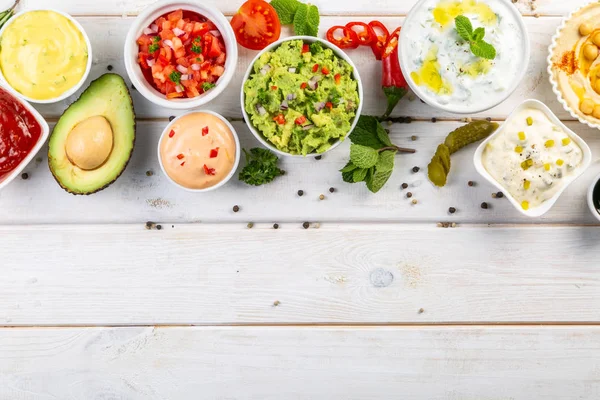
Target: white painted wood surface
column 86, row 264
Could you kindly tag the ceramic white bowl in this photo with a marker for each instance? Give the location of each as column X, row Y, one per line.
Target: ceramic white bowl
column 554, row 83
column 547, row 205
column 238, row 150
column 88, row 66
column 307, row 39
column 43, row 137
column 590, row 198
column 403, row 53
column 145, row 19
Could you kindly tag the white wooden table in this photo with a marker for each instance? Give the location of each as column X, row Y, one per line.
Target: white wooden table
column 373, row 301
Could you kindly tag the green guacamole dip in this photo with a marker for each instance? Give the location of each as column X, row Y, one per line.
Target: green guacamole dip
column 301, row 102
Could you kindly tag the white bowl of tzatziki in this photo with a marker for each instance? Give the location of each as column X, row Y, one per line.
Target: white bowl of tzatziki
column 439, row 65
column 532, row 158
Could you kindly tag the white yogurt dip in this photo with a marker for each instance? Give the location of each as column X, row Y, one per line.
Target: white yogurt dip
column 440, row 66
column 532, row 158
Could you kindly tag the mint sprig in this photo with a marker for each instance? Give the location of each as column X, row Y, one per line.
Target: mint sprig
column 479, row 47
column 304, row 17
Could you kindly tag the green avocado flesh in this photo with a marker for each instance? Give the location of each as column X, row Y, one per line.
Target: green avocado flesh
column 107, row 97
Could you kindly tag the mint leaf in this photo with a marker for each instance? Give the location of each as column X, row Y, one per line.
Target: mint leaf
column 306, row 20
column 483, row 49
column 377, row 180
column 386, row 161
column 359, row 175
column 366, row 132
column 464, row 27
column 478, row 34
column 363, row 156
column 286, row 9
column 348, row 167
column 383, row 136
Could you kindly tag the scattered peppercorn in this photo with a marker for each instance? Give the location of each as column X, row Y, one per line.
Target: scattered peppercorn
column 171, row 118
column 408, row 120
column 132, row 87
column 452, row 210
column 109, row 67
column 149, row 173
column 236, row 208
column 275, row 226
column 250, row 225
column 318, row 157
column 159, row 227
column 488, row 119
column 413, row 138
column 276, row 303
column 300, row 193
column 306, row 225
column 404, row 185
column 421, row 311
column 493, row 195
column 331, row 190
column 387, row 131
column 434, row 120
column 409, row 195
column 322, row 197
column 499, row 195
column 149, row 225
column 24, row 175
column 484, row 205
column 414, row 201
column 471, row 183
column 416, row 169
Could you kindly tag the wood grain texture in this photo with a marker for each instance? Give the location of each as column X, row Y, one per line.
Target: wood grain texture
column 107, row 35
column 483, row 363
column 364, row 273
column 137, row 198
column 329, row 7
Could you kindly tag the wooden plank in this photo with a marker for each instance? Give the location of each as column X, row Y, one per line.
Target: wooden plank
column 484, row 363
column 330, row 7
column 137, row 198
column 108, row 34
column 229, row 274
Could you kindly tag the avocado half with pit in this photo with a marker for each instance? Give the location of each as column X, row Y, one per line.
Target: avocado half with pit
column 92, row 141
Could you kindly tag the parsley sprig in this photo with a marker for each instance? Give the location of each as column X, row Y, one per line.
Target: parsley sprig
column 479, row 47
column 261, row 167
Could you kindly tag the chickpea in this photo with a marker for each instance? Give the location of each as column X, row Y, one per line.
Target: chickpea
column 596, row 38
column 587, row 106
column 585, row 29
column 590, row 51
column 598, row 73
column 597, row 86
column 596, row 112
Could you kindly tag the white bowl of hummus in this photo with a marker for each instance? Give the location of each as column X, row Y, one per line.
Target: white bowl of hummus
column 199, row 151
column 439, row 65
column 533, row 157
column 574, row 64
column 41, row 67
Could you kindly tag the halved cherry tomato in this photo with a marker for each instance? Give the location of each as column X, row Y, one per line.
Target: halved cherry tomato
column 349, row 40
column 256, row 25
column 381, row 38
column 305, row 48
column 300, row 120
column 365, row 35
column 280, row 119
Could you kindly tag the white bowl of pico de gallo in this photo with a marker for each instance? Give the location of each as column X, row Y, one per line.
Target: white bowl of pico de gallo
column 180, row 54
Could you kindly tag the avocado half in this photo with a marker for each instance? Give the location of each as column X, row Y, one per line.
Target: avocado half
column 106, row 99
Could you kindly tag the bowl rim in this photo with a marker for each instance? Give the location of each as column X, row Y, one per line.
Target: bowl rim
column 339, row 53
column 430, row 100
column 73, row 89
column 38, row 146
column 237, row 151
column 590, row 197
column 547, row 205
column 157, row 9
column 553, row 82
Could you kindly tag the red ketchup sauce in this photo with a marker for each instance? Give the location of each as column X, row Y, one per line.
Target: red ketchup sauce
column 19, row 133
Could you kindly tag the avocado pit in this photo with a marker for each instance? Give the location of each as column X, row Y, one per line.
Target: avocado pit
column 90, row 143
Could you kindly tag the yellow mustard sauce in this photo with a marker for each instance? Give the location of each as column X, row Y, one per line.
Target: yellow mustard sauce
column 445, row 12
column 42, row 54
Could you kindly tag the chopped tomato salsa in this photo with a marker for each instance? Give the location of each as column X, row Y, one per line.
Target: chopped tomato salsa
column 182, row 54
column 19, row 133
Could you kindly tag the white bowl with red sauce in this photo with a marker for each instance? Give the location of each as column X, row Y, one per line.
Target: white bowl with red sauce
column 191, row 9
column 13, row 112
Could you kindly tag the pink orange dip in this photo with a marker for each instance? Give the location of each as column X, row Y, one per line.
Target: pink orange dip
column 198, row 150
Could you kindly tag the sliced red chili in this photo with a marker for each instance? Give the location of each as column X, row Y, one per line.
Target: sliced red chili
column 180, row 156
column 329, row 105
column 304, row 85
column 325, row 71
column 381, row 34
column 315, row 68
column 305, row 48
column 349, row 39
column 391, row 44
column 182, row 164
column 337, row 78
column 205, row 131
column 365, row 35
column 300, row 120
column 214, row 152
column 273, row 87
column 172, row 133
column 280, row 119
column 209, row 171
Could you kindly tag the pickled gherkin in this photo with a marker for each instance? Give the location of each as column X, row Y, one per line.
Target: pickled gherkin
column 469, row 133
column 439, row 167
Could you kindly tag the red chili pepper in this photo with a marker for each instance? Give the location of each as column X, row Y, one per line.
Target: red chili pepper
column 315, row 68
column 180, row 156
column 304, row 85
column 325, row 71
column 209, row 171
column 182, row 164
column 329, row 105
column 365, row 36
column 305, row 48
column 273, row 87
column 280, row 119
column 214, row 152
column 172, row 133
column 393, row 83
column 349, row 40
column 300, row 120
column 205, row 131
column 337, row 78
column 381, row 39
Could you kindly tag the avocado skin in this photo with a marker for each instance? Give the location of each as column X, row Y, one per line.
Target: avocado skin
column 108, row 78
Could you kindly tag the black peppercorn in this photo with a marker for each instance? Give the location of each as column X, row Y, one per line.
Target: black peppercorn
column 149, row 173
column 434, row 120
column 132, row 87
column 409, row 194
column 318, row 157
column 471, row 183
column 159, row 227
column 24, row 175
column 484, row 205
column 416, row 169
column 331, row 190
column 275, row 226
column 452, row 210
column 236, row 208
column 109, row 67
column 408, row 120
column 171, row 118
column 404, row 185
column 300, row 193
column 306, row 225
column 499, row 195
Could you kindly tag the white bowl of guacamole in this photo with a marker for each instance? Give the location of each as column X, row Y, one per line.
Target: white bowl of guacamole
column 301, row 96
